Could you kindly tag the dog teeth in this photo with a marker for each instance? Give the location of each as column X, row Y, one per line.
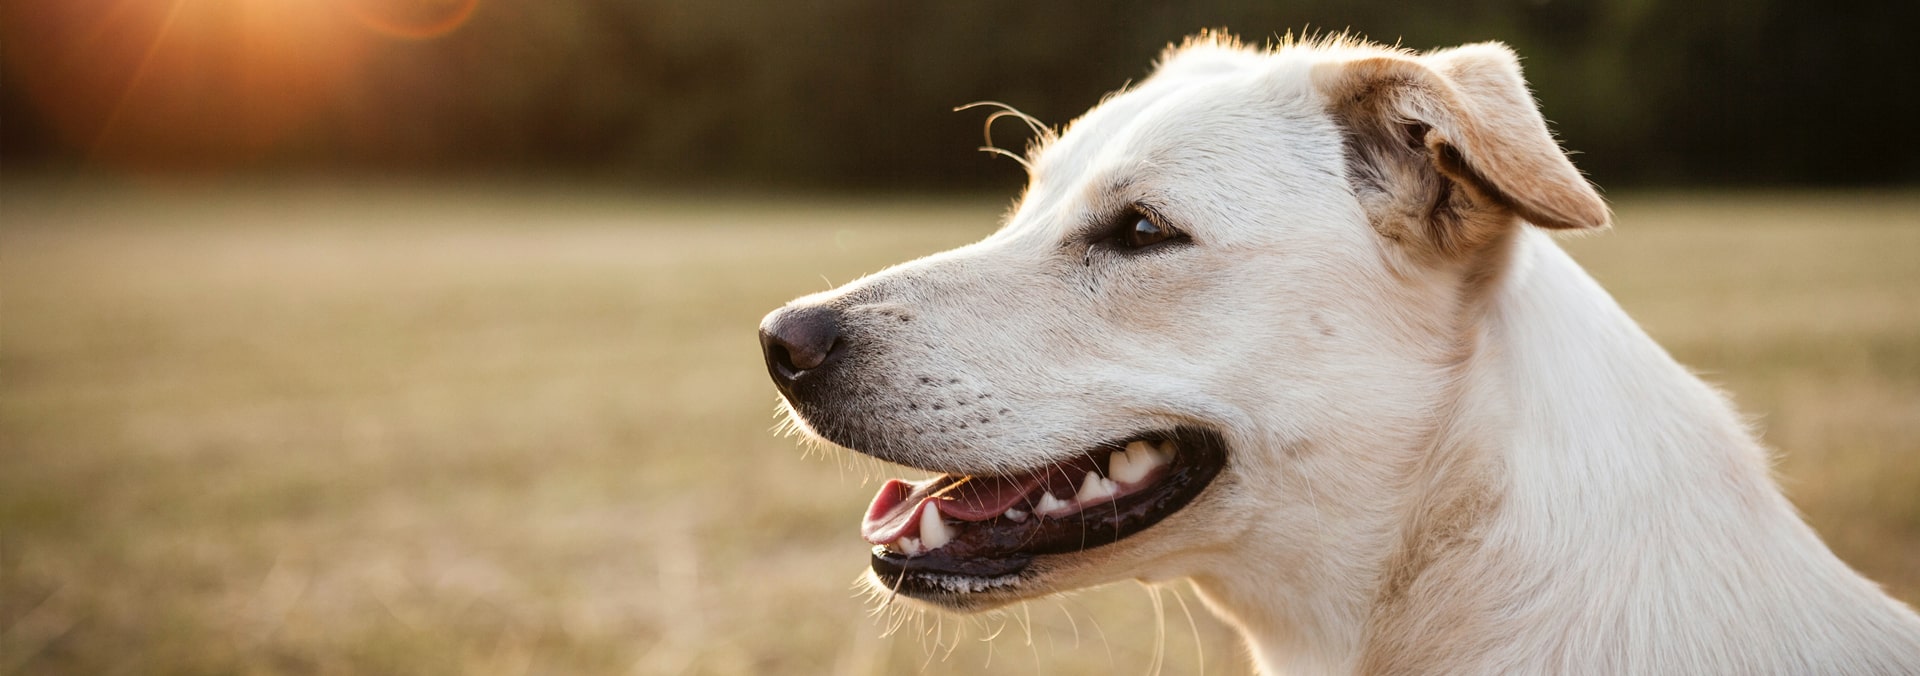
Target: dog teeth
column 1122, row 467
column 1095, row 487
column 934, row 532
column 1128, row 466
column 908, row 546
column 1014, row 514
column 1050, row 505
column 1139, row 460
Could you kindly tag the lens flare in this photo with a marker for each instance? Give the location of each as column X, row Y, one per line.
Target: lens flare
column 160, row 85
column 180, row 84
column 413, row 19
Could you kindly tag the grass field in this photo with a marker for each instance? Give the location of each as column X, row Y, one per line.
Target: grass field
column 479, row 430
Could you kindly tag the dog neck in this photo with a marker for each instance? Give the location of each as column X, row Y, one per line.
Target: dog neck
column 1585, row 502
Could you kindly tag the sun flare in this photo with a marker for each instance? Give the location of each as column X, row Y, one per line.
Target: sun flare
column 202, row 84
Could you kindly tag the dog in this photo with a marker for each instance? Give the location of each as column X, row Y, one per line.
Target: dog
column 1288, row 322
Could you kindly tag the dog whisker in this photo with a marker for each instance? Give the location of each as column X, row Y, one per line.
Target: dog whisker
column 1199, row 649
column 1159, row 629
column 1003, row 152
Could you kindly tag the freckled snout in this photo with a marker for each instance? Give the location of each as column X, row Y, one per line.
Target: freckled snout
column 800, row 342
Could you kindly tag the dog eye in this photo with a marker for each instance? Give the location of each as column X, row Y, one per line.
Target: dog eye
column 1144, row 233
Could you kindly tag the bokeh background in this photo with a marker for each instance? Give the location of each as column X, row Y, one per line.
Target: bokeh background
column 417, row 336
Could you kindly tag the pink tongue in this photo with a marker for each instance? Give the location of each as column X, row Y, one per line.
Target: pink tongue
column 895, row 512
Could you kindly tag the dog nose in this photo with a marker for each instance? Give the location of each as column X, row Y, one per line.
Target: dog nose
column 797, row 340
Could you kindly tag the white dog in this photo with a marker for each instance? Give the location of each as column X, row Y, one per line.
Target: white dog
column 1275, row 321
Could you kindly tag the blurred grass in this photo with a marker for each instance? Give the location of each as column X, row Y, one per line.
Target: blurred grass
column 358, row 429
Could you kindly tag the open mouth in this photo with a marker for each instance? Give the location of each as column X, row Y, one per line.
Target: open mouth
column 975, row 532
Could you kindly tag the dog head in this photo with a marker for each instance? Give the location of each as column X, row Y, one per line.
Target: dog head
column 1225, row 311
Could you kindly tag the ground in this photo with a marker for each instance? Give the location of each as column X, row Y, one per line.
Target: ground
column 500, row 429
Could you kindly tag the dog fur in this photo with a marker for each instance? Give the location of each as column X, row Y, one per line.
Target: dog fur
column 1450, row 451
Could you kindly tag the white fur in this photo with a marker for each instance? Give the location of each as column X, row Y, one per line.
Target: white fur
column 1618, row 516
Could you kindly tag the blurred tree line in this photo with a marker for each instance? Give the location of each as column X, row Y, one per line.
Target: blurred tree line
column 859, row 93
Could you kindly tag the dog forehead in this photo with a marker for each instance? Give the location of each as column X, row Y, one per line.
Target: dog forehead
column 1213, row 130
column 1169, row 111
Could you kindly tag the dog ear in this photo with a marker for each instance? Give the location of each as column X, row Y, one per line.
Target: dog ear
column 1449, row 145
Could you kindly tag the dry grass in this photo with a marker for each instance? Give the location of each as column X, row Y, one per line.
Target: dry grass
column 512, row 431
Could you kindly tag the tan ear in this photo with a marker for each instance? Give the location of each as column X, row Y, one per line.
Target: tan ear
column 1453, row 141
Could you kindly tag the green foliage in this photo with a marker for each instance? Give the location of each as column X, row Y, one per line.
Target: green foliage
column 859, row 93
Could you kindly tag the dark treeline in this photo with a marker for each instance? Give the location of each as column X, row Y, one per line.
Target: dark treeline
column 859, row 93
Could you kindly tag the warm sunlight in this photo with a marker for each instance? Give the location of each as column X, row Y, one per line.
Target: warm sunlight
column 414, row 19
column 701, row 338
column 202, row 84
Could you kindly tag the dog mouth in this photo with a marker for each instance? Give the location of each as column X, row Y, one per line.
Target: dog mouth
column 970, row 533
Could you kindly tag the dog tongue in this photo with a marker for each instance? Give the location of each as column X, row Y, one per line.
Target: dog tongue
column 895, row 512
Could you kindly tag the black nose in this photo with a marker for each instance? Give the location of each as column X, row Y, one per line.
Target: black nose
column 800, row 340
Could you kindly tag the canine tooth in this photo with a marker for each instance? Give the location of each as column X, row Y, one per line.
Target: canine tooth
column 1153, row 456
column 1094, row 488
column 1125, row 468
column 910, row 546
column 933, row 530
column 1016, row 515
column 1050, row 505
